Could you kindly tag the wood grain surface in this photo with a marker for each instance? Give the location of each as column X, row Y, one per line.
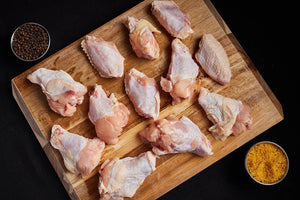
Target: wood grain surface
column 246, row 85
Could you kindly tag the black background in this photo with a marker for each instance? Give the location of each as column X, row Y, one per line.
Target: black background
column 266, row 32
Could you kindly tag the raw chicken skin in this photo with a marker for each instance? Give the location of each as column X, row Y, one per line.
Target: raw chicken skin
column 213, row 59
column 62, row 92
column 142, row 39
column 104, row 56
column 121, row 178
column 172, row 135
column 176, row 21
column 183, row 70
column 229, row 116
column 81, row 155
column 143, row 93
column 107, row 114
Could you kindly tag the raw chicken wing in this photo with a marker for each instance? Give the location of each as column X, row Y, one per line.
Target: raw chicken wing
column 229, row 116
column 62, row 92
column 104, row 56
column 213, row 59
column 183, row 70
column 81, row 155
column 121, row 178
column 143, row 93
column 107, row 114
column 172, row 135
column 142, row 39
column 176, row 21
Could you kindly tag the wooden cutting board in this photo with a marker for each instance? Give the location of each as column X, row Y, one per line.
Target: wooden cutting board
column 246, row 85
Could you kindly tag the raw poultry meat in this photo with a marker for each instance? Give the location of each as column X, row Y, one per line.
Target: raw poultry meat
column 213, row 59
column 143, row 93
column 142, row 39
column 172, row 135
column 81, row 155
column 62, row 92
column 175, row 20
column 229, row 116
column 121, row 178
column 104, row 56
column 107, row 114
column 183, row 70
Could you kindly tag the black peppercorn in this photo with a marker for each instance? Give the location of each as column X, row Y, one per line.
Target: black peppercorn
column 30, row 41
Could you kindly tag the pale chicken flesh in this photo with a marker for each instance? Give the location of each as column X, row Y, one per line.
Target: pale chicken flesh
column 81, row 155
column 143, row 93
column 121, row 178
column 107, row 114
column 183, row 70
column 62, row 92
column 104, row 56
column 213, row 59
column 142, row 39
column 172, row 135
column 229, row 116
column 175, row 20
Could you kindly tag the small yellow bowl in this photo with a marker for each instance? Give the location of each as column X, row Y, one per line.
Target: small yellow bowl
column 263, row 163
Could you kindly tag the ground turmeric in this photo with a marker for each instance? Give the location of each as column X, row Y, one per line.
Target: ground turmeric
column 267, row 163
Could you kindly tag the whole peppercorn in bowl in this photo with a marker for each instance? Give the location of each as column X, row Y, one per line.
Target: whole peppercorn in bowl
column 30, row 41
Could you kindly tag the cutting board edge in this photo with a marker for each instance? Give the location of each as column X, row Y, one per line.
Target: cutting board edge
column 245, row 56
column 24, row 108
column 44, row 143
column 218, row 17
column 256, row 73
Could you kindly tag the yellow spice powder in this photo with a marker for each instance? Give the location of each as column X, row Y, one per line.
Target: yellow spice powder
column 267, row 163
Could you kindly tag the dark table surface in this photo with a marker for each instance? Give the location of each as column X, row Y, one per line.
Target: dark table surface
column 262, row 30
